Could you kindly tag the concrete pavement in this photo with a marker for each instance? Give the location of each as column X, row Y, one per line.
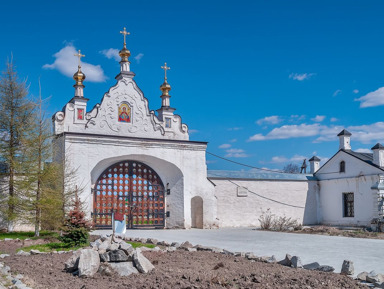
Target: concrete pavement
column 367, row 254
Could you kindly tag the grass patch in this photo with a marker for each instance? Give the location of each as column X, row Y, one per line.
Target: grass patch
column 28, row 235
column 50, row 247
column 137, row 245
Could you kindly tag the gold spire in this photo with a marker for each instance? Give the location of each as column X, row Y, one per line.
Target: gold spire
column 124, row 53
column 79, row 76
column 165, row 87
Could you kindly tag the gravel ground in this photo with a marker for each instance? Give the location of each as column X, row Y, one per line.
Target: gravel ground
column 179, row 269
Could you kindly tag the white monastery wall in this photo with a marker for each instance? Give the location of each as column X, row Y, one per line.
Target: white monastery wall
column 240, row 211
column 365, row 200
column 180, row 164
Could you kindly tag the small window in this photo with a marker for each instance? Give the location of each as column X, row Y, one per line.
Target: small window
column 167, row 122
column 349, row 205
column 342, row 167
column 80, row 114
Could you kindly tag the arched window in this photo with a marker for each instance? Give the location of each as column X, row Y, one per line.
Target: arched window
column 342, row 167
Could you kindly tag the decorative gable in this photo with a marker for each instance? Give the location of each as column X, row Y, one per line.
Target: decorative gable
column 347, row 164
column 123, row 111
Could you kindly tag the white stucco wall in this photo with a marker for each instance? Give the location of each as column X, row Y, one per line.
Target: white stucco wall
column 179, row 163
column 358, row 178
column 353, row 167
column 365, row 200
column 234, row 211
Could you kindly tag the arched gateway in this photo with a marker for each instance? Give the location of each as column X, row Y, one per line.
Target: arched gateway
column 133, row 189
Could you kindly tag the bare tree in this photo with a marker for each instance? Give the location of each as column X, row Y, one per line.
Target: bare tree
column 291, row 168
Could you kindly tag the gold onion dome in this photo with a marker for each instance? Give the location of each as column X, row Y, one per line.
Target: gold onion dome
column 79, row 76
column 165, row 87
column 124, row 54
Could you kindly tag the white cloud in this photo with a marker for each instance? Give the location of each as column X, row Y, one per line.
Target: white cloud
column 374, row 98
column 337, row 92
column 138, row 57
column 233, row 140
column 289, row 131
column 333, row 119
column 283, row 159
column 363, row 150
column 225, row 146
column 235, row 128
column 66, row 63
column 191, row 131
column 279, row 159
column 355, row 91
column 235, row 153
column 274, row 119
column 366, row 134
column 297, row 158
column 301, row 76
column 111, row 53
column 318, row 118
column 296, row 117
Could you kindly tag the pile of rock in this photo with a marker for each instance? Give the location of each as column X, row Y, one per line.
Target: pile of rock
column 376, row 279
column 108, row 255
column 295, row 262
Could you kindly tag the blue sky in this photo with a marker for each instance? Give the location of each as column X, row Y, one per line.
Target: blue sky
column 264, row 82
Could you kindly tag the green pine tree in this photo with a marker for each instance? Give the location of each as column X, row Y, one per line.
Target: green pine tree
column 16, row 112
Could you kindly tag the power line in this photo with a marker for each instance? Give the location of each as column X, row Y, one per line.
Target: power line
column 285, row 204
column 241, row 164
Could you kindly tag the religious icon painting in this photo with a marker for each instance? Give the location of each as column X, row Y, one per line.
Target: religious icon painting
column 80, row 113
column 124, row 112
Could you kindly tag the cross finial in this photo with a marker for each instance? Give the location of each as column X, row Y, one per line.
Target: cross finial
column 165, row 67
column 125, row 33
column 79, row 55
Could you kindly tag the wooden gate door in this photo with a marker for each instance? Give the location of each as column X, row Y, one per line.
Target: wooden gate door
column 131, row 188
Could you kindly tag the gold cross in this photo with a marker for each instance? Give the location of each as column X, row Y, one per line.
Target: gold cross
column 165, row 67
column 79, row 55
column 125, row 33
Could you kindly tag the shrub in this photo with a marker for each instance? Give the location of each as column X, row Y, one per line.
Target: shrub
column 266, row 220
column 269, row 221
column 77, row 226
column 76, row 237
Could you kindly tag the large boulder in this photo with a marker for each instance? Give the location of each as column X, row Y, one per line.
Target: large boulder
column 124, row 268
column 325, row 268
column 95, row 245
column 105, row 269
column 286, row 261
column 373, row 277
column 105, row 245
column 185, row 245
column 113, row 247
column 312, row 266
column 23, row 253
column 362, row 276
column 118, row 256
column 347, row 268
column 152, row 241
column 72, row 263
column 89, row 262
column 142, row 264
column 104, row 257
column 127, row 248
column 296, row 262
